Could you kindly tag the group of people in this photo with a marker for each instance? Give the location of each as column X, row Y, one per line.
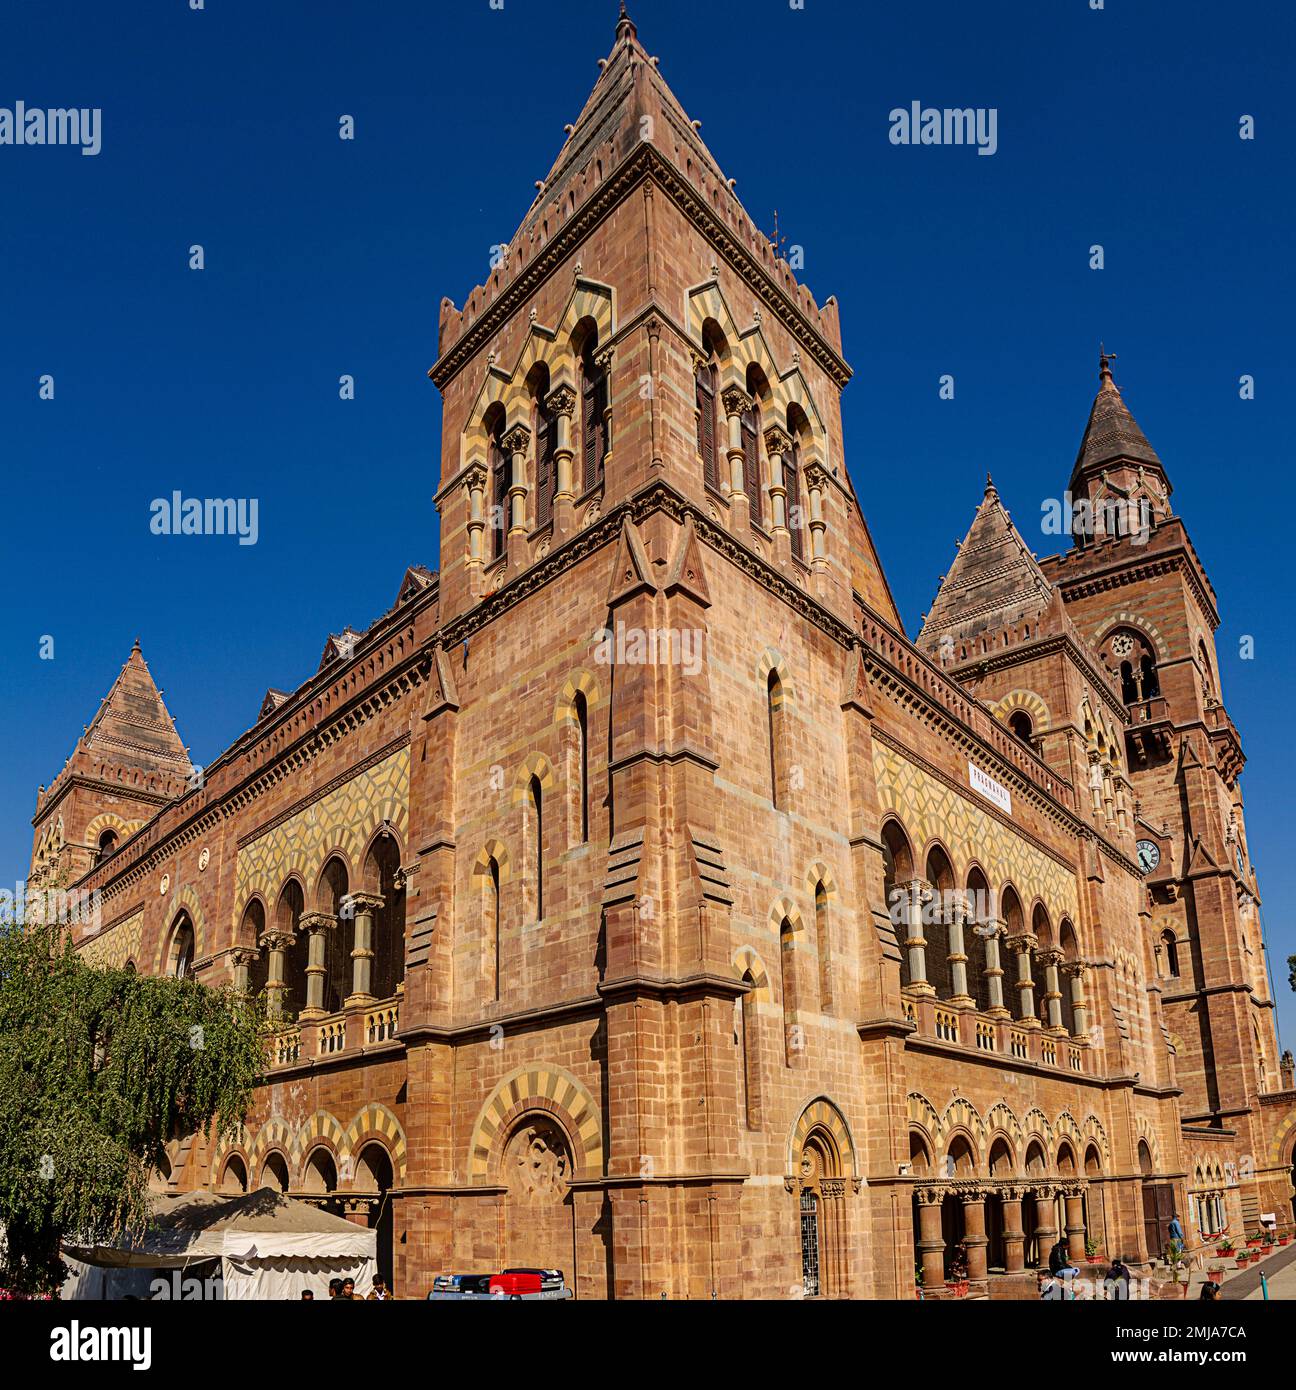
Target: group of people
column 344, row 1290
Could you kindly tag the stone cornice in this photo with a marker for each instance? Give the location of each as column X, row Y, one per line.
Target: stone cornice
column 646, row 162
column 1123, row 571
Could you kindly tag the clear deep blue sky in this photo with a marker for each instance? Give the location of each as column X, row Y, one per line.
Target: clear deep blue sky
column 1116, row 127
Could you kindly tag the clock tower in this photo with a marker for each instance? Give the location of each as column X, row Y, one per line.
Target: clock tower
column 1141, row 596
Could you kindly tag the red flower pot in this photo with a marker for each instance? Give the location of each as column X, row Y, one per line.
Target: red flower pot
column 1216, row 1276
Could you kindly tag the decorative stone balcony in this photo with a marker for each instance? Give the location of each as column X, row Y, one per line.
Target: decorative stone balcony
column 1023, row 1040
column 363, row 1025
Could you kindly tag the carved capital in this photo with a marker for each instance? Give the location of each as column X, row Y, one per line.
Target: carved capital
column 363, row 902
column 276, row 940
column 516, row 440
column 1049, row 957
column 777, row 441
column 1022, row 942
column 1073, row 969
column 561, row 400
column 316, row 921
column 816, row 477
column 475, row 477
column 603, row 359
column 929, row 1196
column 735, row 400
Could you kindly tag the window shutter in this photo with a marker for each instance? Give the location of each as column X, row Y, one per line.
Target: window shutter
column 751, row 460
column 545, row 438
column 707, row 426
column 593, row 404
column 792, row 478
column 498, row 518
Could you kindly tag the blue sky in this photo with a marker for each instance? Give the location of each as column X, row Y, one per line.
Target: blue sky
column 323, row 257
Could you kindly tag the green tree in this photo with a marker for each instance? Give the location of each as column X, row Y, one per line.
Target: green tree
column 1291, row 971
column 99, row 1069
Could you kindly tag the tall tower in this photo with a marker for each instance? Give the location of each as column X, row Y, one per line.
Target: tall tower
column 1137, row 589
column 128, row 763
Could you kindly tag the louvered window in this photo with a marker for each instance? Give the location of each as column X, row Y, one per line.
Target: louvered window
column 706, row 408
column 594, row 399
column 498, row 519
column 751, row 459
column 795, row 514
column 546, row 473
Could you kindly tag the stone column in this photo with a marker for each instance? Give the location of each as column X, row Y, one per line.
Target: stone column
column 955, row 921
column 515, row 444
column 277, row 944
column 1014, row 1235
column 242, row 963
column 974, row 1231
column 318, row 924
column 475, row 483
column 1050, row 960
column 562, row 405
column 776, row 444
column 817, row 483
column 1021, row 946
column 603, row 360
column 994, row 931
column 736, row 402
column 931, row 1242
column 1046, row 1231
column 1075, row 1228
column 1074, row 971
column 364, row 906
column 919, row 892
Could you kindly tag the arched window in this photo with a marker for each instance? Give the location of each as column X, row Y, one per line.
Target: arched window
column 493, row 919
column 107, row 845
column 751, row 433
column 774, row 720
column 705, row 382
column 1020, row 723
column 796, row 513
column 594, row 417
column 546, row 441
column 1170, row 944
column 383, row 876
column 824, row 945
column 581, row 706
column 1129, row 653
column 791, row 1001
column 537, row 811
column 182, row 949
column 499, row 486
column 749, row 1053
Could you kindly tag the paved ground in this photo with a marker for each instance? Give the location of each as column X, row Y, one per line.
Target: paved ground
column 1279, row 1269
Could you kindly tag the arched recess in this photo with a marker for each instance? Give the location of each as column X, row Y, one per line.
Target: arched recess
column 591, row 305
column 980, row 921
column 897, row 874
column 375, row 1123
column 287, row 923
column 785, row 921
column 821, row 1161
column 747, row 1031
column 234, row 1174
column 382, row 877
column 180, row 947
column 275, row 1172
column 939, row 873
column 183, row 900
column 490, row 874
column 334, row 885
column 252, row 928
column 1026, row 702
column 540, row 1088
column 324, row 1129
column 573, row 718
column 711, row 323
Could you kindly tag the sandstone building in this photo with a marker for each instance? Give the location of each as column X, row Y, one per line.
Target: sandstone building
column 637, row 898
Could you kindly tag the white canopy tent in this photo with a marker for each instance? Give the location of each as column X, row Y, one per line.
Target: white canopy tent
column 261, row 1244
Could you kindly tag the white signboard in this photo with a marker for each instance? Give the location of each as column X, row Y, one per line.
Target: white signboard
column 992, row 791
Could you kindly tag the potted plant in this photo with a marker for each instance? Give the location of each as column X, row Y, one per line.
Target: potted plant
column 1255, row 1241
column 1284, row 1237
column 1215, row 1273
column 1224, row 1248
column 1269, row 1238
column 1091, row 1251
column 957, row 1279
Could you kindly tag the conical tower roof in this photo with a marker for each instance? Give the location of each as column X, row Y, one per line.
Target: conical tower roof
column 132, row 728
column 993, row 583
column 1112, row 432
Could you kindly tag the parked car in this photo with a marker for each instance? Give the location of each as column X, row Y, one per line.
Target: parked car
column 539, row 1284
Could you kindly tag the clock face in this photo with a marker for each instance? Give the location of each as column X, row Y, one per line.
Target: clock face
column 1241, row 861
column 1148, row 856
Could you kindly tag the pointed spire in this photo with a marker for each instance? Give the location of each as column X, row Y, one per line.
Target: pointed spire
column 625, row 25
column 1112, row 432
